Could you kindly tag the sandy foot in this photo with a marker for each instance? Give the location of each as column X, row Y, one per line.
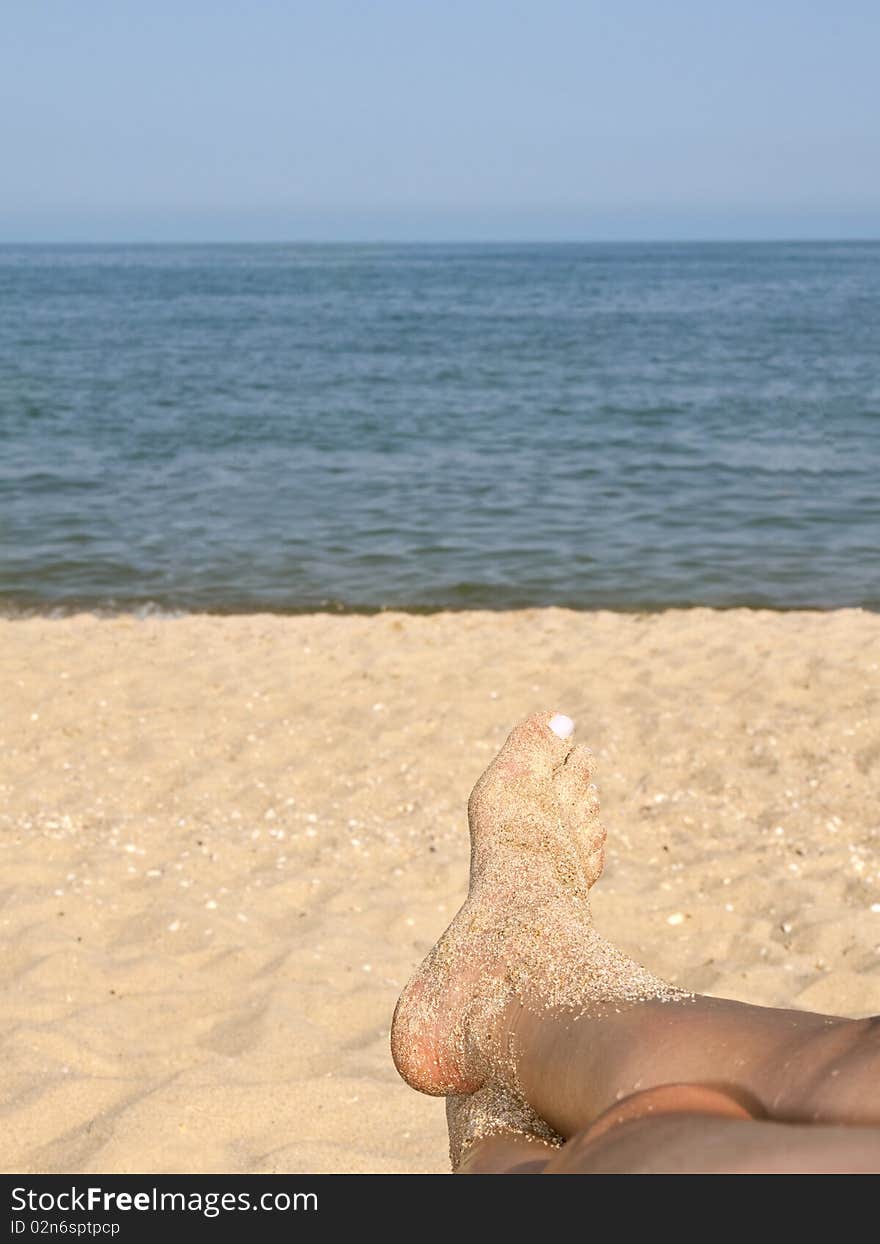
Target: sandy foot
column 524, row 932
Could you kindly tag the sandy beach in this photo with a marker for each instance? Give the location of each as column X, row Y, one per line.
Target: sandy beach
column 226, row 842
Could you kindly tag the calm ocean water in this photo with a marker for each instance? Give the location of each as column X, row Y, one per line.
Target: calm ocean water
column 287, row 427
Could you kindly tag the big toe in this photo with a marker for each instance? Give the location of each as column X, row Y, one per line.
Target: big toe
column 537, row 746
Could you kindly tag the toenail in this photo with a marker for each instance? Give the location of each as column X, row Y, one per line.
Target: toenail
column 561, row 725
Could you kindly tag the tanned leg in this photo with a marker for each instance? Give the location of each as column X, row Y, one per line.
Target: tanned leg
column 523, row 996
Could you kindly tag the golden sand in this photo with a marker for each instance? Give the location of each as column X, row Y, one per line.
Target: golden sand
column 226, row 842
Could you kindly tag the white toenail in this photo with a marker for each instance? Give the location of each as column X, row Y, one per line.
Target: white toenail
column 561, row 725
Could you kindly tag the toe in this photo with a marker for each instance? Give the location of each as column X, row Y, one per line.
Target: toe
column 578, row 798
column 538, row 745
column 580, row 765
column 573, row 781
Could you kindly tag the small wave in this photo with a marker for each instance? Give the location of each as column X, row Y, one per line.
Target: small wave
column 14, row 610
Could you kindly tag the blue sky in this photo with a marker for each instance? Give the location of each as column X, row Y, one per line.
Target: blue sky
column 208, row 120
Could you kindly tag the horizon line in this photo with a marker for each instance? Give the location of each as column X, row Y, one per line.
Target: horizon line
column 434, row 241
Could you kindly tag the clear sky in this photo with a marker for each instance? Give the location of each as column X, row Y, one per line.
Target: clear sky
column 211, row 120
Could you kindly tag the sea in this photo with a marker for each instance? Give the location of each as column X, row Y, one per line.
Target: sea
column 286, row 428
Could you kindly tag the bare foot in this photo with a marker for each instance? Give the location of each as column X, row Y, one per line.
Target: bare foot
column 495, row 1111
column 524, row 933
